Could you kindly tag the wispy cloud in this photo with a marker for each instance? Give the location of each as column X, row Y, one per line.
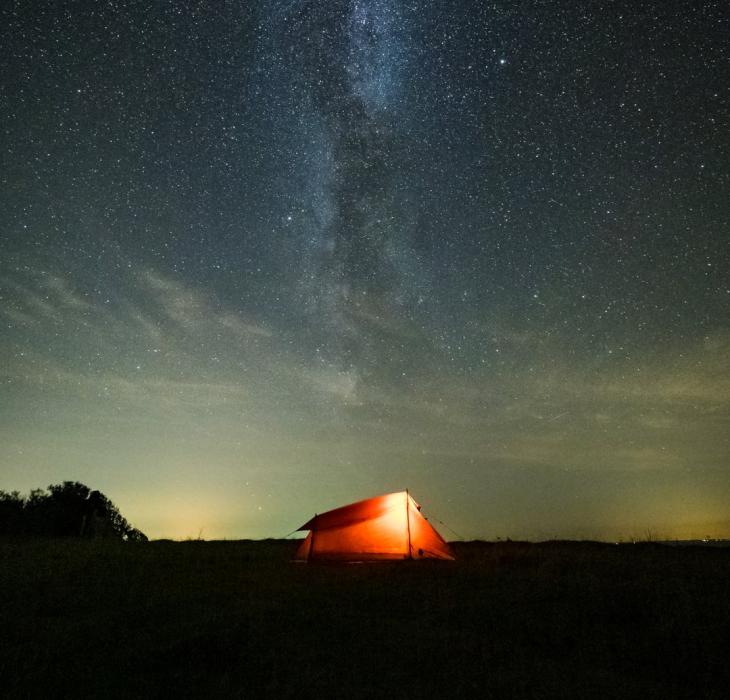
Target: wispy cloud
column 241, row 328
column 63, row 293
column 172, row 348
column 182, row 304
column 40, row 298
column 153, row 299
column 193, row 309
column 340, row 385
column 161, row 338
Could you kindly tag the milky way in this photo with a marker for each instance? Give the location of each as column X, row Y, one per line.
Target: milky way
column 262, row 258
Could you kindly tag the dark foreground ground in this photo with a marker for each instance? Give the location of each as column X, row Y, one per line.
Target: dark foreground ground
column 237, row 620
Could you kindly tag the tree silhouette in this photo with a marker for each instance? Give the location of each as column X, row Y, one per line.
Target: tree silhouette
column 11, row 512
column 69, row 509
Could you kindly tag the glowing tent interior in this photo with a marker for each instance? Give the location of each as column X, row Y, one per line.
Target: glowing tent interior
column 384, row 527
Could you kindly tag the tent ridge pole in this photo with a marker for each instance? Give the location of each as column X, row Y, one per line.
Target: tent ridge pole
column 408, row 523
column 311, row 543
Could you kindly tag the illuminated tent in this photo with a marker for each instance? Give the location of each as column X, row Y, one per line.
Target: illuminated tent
column 384, row 527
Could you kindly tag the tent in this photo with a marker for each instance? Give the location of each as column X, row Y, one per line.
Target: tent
column 384, row 527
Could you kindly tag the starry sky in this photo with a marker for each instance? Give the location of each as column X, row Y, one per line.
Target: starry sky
column 260, row 259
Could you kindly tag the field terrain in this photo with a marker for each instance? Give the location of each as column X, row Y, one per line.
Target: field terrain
column 237, row 619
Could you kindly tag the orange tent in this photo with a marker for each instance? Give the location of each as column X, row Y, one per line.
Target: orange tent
column 384, row 527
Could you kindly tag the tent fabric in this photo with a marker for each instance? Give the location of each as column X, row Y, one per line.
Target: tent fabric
column 354, row 513
column 385, row 527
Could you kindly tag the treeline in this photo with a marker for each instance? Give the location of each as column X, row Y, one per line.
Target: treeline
column 70, row 509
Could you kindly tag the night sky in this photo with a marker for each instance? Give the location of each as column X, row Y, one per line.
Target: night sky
column 260, row 259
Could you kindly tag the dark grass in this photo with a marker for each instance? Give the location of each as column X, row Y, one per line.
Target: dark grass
column 237, row 620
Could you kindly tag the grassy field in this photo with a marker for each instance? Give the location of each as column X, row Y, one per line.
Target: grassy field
column 237, row 620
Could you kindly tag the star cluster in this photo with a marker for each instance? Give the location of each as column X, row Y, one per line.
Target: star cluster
column 260, row 258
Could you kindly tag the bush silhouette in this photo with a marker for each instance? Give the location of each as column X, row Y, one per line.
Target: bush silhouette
column 69, row 509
